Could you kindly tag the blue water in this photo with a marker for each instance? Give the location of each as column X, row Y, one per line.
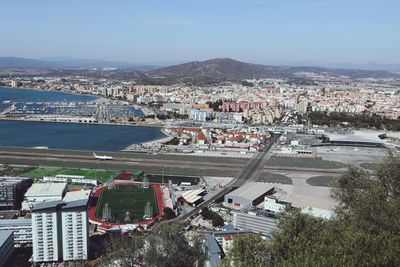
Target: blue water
column 74, row 136
column 27, row 95
column 66, row 135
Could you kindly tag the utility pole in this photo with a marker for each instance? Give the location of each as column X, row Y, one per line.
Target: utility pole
column 162, row 177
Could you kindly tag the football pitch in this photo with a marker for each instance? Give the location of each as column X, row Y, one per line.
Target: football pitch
column 127, row 198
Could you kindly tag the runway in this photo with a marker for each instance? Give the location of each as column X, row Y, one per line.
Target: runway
column 127, row 160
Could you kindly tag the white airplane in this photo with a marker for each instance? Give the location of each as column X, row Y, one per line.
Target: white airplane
column 102, row 157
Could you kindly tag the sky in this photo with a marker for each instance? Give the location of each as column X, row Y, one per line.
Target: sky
column 260, row 31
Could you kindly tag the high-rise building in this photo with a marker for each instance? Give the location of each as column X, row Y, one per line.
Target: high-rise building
column 60, row 231
column 46, row 231
column 12, row 190
column 75, row 225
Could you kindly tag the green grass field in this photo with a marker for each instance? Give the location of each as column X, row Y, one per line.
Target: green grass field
column 268, row 177
column 125, row 198
column 101, row 175
column 327, row 181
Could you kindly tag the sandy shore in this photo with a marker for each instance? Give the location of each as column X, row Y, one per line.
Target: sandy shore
column 149, row 144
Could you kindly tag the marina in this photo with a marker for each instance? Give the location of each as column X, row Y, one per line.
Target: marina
column 28, row 118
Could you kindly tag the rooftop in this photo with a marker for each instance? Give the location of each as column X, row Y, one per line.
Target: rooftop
column 77, row 195
column 357, row 136
column 45, row 189
column 77, row 204
column 48, row 205
column 214, row 250
column 9, row 180
column 4, row 235
column 251, row 190
column 19, row 221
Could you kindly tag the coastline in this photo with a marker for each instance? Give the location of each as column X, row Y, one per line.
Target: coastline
column 136, row 124
column 55, row 91
column 149, row 144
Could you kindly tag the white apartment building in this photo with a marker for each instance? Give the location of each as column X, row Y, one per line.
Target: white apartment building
column 60, row 231
column 22, row 229
column 46, row 231
column 75, row 224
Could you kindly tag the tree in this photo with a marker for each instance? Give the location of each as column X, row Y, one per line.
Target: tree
column 168, row 247
column 364, row 232
column 247, row 250
column 217, row 220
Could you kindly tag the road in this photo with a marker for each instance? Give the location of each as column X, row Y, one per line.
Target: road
column 247, row 173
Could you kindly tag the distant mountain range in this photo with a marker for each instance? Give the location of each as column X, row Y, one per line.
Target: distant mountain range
column 226, row 69
column 208, row 71
column 65, row 62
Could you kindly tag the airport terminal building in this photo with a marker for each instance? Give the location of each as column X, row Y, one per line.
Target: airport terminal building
column 357, row 139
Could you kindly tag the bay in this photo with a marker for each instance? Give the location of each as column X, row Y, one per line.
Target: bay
column 67, row 135
column 74, row 136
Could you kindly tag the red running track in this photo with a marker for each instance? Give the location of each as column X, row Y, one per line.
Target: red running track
column 107, row 225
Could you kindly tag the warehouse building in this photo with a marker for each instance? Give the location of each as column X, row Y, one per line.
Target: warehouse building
column 22, row 229
column 250, row 194
column 12, row 190
column 43, row 192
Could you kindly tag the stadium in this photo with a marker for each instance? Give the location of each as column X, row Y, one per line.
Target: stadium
column 126, row 204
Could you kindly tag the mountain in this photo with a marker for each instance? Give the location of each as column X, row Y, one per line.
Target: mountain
column 219, row 69
column 208, row 71
column 15, row 62
column 226, row 69
column 66, row 62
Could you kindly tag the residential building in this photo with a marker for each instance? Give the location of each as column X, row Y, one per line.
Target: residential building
column 60, row 230
column 12, row 190
column 75, row 225
column 46, row 231
column 22, row 229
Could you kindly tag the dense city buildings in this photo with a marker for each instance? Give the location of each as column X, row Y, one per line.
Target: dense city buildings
column 263, row 101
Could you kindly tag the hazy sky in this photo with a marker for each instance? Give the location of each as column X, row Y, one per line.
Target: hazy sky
column 172, row 30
